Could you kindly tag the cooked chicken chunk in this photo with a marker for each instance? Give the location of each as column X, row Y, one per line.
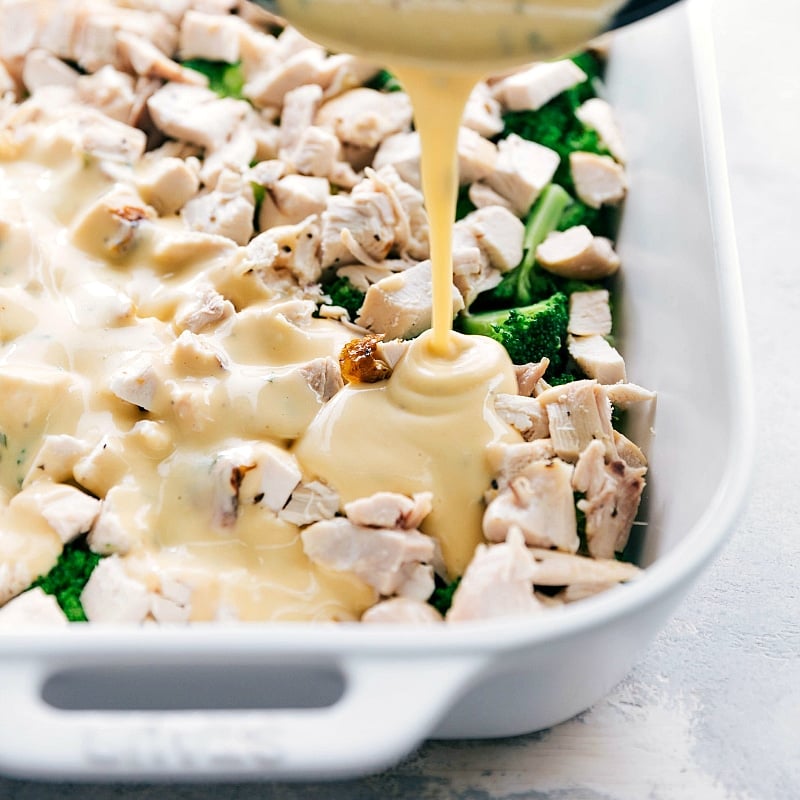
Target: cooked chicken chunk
column 33, row 608
column 365, row 117
column 56, row 458
column 268, row 87
column 167, row 184
column 533, row 87
column 577, row 253
column 402, row 610
column 529, row 375
column 482, row 112
column 597, row 358
column 122, row 524
column 112, row 595
column 589, row 313
column 597, row 114
column 215, row 37
column 578, row 413
column 376, row 555
column 310, row 502
column 149, row 62
column 553, row 568
column 400, row 306
column 292, row 199
column 613, row 490
column 390, row 510
column 497, row 583
column 401, row 151
column 538, row 501
column 625, row 395
column 42, row 69
column 498, row 233
column 477, row 157
column 599, row 180
column 526, row 414
column 521, row 171
column 227, row 210
column 508, row 461
column 67, row 510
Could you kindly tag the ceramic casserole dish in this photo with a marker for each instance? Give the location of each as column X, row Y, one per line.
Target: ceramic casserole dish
column 303, row 701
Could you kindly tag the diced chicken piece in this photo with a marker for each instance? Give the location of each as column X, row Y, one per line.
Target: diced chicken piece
column 191, row 355
column 526, row 414
column 289, row 247
column 172, row 603
column 291, row 42
column 521, row 171
column 136, row 382
column 577, row 253
column 508, row 461
column 358, row 227
column 613, row 491
column 589, row 313
column 292, row 199
column 376, row 555
column 581, row 591
column 167, row 184
column 310, row 502
column 67, row 510
column 227, row 210
column 365, row 117
column 400, row 306
column 418, row 582
column 472, row 272
column 268, row 87
column 390, row 510
column 149, row 62
column 533, row 87
column 628, row 451
column 180, row 249
column 20, row 28
column 362, row 276
column 598, row 115
column 599, row 180
column 202, row 311
column 411, row 218
column 477, row 157
column 215, row 37
column 112, row 595
column 529, row 375
column 482, row 112
column 499, row 235
column 625, row 395
column 482, row 195
column 401, row 151
column 235, row 155
column 195, row 114
column 110, row 91
column 553, row 568
column 105, row 465
column 578, row 412
column 317, row 152
column 33, row 608
column 597, row 358
column 121, row 525
column 540, row 502
column 323, row 377
column 341, row 72
column 259, row 473
column 401, row 610
column 496, row 583
column 55, row 459
column 111, row 227
column 391, row 351
column 298, row 112
column 42, row 69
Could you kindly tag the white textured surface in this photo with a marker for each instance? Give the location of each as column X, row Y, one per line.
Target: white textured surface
column 712, row 711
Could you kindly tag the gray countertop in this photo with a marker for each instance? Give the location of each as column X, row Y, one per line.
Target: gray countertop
column 712, row 710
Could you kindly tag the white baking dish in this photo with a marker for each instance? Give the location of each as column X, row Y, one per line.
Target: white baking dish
column 311, row 701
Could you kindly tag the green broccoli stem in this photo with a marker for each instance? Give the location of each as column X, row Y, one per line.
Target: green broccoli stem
column 542, row 220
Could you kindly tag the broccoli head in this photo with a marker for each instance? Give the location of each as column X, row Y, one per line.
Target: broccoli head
column 227, row 80
column 442, row 597
column 343, row 293
column 529, row 333
column 66, row 579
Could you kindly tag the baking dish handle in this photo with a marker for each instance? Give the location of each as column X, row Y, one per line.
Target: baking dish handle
column 388, row 707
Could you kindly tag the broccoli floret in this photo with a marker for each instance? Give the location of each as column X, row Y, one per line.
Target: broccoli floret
column 442, row 597
column 66, row 579
column 227, row 80
column 384, row 81
column 343, row 293
column 529, row 333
